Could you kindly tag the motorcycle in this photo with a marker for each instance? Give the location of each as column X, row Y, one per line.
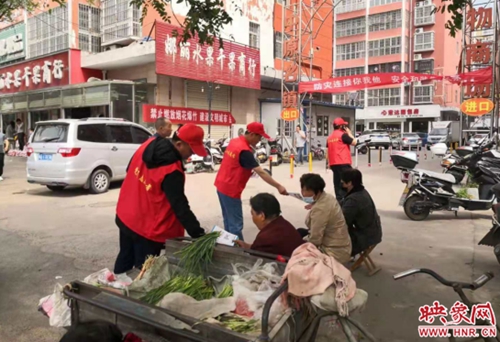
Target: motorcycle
column 196, row 163
column 275, row 152
column 317, row 151
column 215, row 151
column 222, row 144
column 428, row 191
column 261, row 152
column 492, row 238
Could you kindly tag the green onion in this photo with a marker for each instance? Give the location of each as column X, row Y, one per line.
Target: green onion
column 227, row 291
column 195, row 287
column 196, row 257
column 238, row 324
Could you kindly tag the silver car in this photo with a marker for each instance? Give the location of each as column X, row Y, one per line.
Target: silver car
column 407, row 141
column 89, row 153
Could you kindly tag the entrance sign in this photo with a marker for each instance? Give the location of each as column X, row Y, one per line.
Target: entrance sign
column 290, row 114
column 186, row 115
column 477, row 106
column 231, row 64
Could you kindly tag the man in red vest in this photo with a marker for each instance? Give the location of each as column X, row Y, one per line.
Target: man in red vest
column 152, row 206
column 339, row 153
column 235, row 170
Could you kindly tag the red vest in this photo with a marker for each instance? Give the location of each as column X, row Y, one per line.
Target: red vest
column 338, row 152
column 232, row 178
column 142, row 204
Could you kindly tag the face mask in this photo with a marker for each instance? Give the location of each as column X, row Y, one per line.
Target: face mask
column 308, row 200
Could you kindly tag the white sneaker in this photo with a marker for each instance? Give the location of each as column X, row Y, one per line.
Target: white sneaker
column 1, row 179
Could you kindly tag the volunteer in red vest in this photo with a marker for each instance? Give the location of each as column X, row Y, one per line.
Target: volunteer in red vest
column 339, row 153
column 235, row 171
column 152, row 206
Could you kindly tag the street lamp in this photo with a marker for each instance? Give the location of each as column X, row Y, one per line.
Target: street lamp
column 209, row 98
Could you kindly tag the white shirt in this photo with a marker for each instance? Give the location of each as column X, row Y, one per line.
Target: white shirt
column 20, row 128
column 300, row 138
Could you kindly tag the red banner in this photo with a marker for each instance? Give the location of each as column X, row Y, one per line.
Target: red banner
column 481, row 76
column 234, row 64
column 186, row 115
column 359, row 82
column 45, row 72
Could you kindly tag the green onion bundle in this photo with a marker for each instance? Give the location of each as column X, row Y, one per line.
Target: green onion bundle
column 227, row 291
column 195, row 287
column 238, row 324
column 196, row 257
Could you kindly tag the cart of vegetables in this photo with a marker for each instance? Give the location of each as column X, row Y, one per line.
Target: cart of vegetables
column 197, row 291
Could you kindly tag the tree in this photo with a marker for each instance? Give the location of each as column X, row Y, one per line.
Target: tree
column 206, row 18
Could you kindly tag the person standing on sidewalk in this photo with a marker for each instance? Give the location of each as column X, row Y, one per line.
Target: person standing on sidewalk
column 339, row 153
column 4, row 148
column 235, row 170
column 10, row 132
column 300, row 142
column 21, row 134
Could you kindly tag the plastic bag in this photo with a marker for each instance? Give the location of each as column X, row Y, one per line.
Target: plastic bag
column 56, row 307
column 186, row 305
column 157, row 275
column 107, row 278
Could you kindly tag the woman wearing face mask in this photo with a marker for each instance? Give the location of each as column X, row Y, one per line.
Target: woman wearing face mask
column 326, row 225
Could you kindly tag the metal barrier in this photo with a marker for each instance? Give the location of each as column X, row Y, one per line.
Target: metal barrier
column 271, row 165
column 292, row 164
column 310, row 161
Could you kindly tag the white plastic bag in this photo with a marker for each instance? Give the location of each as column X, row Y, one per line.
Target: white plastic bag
column 56, row 307
column 107, row 278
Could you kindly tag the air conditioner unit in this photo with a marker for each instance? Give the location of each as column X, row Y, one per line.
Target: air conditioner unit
column 237, row 130
column 420, row 4
column 417, row 57
column 417, row 83
column 419, row 30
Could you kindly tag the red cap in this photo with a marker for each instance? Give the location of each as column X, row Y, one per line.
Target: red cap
column 257, row 128
column 193, row 136
column 339, row 122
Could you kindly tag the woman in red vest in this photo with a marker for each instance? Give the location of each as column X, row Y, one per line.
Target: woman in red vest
column 235, row 171
column 152, row 206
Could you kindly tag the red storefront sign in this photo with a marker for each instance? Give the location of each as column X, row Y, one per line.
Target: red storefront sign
column 401, row 112
column 45, row 72
column 234, row 64
column 186, row 115
column 360, row 82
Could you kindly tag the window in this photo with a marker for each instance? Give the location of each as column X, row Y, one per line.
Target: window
column 424, row 41
column 254, row 35
column 288, row 128
column 89, row 21
column 92, row 133
column 374, row 3
column 350, row 51
column 119, row 21
column 424, row 15
column 350, row 5
column 140, row 135
column 343, row 99
column 383, row 47
column 385, row 21
column 121, row 134
column 385, row 67
column 278, row 44
column 48, row 32
column 425, row 66
column 423, row 94
column 351, row 27
column 384, row 97
column 349, row 71
column 323, row 129
column 50, row 133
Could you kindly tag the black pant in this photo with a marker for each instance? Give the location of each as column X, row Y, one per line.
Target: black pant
column 337, row 176
column 303, row 232
column 2, row 158
column 134, row 249
column 20, row 139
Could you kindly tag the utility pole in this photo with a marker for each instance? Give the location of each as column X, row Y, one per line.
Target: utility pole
column 210, row 93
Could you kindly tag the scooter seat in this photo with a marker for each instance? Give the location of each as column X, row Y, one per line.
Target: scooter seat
column 441, row 176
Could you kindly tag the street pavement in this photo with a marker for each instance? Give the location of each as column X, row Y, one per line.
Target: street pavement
column 68, row 235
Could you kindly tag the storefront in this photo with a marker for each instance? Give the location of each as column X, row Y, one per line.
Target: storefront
column 398, row 119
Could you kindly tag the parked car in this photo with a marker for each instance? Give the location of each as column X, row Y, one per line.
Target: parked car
column 378, row 137
column 407, row 141
column 89, row 153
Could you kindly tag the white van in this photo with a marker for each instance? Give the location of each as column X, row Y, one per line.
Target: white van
column 89, row 153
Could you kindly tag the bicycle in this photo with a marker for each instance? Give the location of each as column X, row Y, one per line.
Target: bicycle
column 458, row 287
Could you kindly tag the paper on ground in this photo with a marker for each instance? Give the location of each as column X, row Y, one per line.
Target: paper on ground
column 225, row 237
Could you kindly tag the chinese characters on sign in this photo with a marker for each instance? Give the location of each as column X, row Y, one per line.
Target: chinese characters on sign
column 186, row 115
column 290, row 100
column 290, row 114
column 11, row 48
column 360, row 82
column 401, row 112
column 477, row 106
column 463, row 323
column 230, row 64
column 36, row 74
column 478, row 54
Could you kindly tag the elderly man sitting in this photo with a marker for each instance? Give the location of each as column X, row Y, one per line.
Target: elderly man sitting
column 276, row 235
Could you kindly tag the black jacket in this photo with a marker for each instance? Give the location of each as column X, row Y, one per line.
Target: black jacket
column 363, row 221
column 161, row 152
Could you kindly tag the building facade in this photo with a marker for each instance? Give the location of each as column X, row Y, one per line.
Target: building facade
column 377, row 36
